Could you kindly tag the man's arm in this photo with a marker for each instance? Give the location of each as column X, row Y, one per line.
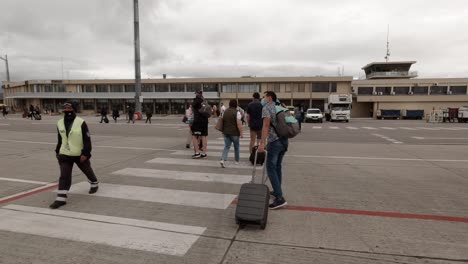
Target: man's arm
column 265, row 129
column 86, row 151
column 59, row 142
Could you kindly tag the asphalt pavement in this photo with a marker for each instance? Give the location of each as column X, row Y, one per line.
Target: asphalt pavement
column 367, row 191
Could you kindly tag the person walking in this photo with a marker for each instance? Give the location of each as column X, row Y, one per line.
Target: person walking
column 199, row 127
column 188, row 119
column 149, row 114
column 131, row 114
column 115, row 114
column 254, row 119
column 4, row 112
column 73, row 147
column 232, row 130
column 276, row 148
column 298, row 115
column 223, row 108
column 31, row 111
column 103, row 114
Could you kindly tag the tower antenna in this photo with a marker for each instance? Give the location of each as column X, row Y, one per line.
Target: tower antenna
column 387, row 56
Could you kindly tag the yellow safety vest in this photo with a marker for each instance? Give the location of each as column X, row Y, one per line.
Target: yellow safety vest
column 73, row 143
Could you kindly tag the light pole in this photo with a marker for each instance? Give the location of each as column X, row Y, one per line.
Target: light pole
column 136, row 29
column 7, row 68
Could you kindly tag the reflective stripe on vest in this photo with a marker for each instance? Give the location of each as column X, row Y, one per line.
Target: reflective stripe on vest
column 73, row 143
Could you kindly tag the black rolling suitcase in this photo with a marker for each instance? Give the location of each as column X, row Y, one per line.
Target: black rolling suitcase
column 260, row 157
column 253, row 199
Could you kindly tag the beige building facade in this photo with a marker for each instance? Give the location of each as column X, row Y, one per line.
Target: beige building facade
column 388, row 86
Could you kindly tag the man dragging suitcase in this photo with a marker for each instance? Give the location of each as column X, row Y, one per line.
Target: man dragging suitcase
column 276, row 149
column 73, row 146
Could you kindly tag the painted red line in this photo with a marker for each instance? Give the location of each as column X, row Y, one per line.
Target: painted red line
column 374, row 213
column 26, row 194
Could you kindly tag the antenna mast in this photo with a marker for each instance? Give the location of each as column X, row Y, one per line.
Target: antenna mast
column 387, row 56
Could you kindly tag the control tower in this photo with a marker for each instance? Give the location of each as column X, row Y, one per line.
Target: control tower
column 390, row 70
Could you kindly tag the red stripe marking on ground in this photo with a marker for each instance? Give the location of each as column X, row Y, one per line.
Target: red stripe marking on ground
column 26, row 194
column 373, row 213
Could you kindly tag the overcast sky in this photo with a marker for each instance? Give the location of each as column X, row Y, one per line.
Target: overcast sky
column 217, row 38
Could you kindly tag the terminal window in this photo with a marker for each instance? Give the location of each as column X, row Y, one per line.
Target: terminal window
column 401, row 90
column 439, row 89
column 129, row 88
column 365, row 90
column 193, row 87
column 101, row 88
column 321, row 87
column 458, row 89
column 161, row 88
column 210, row 87
column 88, row 89
column 383, row 90
column 88, row 104
column 147, row 88
column 177, row 87
column 229, row 88
column 116, row 88
column 274, row 87
column 249, row 87
column 421, row 90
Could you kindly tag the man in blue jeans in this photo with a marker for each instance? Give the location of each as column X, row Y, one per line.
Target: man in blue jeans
column 276, row 148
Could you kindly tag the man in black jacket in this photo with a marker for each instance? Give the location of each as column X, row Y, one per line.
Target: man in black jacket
column 73, row 147
column 199, row 127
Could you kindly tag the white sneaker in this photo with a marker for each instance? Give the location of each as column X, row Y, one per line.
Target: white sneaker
column 236, row 163
column 222, row 164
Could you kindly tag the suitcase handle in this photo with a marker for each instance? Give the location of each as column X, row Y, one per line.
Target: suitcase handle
column 255, row 168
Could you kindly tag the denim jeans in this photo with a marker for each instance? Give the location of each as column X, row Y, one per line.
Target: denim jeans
column 275, row 155
column 227, row 145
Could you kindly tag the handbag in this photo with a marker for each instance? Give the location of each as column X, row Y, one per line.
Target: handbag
column 219, row 124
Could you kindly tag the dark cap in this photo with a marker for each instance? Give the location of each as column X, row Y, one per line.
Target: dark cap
column 74, row 105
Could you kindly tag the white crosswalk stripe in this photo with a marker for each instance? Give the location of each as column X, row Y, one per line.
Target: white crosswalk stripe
column 408, row 128
column 158, row 195
column 388, row 128
column 106, row 230
column 370, row 128
column 197, row 163
column 184, row 175
column 213, row 154
column 352, row 128
column 334, row 127
column 316, row 127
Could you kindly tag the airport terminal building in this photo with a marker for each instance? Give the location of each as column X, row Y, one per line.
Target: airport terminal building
column 388, row 85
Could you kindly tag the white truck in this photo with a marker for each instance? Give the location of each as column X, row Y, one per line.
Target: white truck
column 339, row 107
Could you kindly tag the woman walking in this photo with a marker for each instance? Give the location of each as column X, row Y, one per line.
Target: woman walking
column 188, row 119
column 232, row 130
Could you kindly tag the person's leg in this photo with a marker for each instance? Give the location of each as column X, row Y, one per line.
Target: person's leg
column 204, row 142
column 196, row 147
column 85, row 167
column 273, row 150
column 235, row 140
column 227, row 147
column 64, row 183
column 279, row 166
column 189, row 138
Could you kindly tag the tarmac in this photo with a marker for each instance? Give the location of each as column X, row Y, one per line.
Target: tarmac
column 367, row 191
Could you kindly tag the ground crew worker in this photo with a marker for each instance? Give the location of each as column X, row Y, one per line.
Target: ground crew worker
column 73, row 146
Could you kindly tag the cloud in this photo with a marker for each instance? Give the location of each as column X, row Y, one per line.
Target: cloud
column 213, row 38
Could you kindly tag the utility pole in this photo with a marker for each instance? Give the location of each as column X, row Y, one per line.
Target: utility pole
column 7, row 68
column 136, row 30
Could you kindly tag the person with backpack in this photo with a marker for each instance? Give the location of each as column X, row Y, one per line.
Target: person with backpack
column 232, row 130
column 254, row 119
column 276, row 147
column 201, row 112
